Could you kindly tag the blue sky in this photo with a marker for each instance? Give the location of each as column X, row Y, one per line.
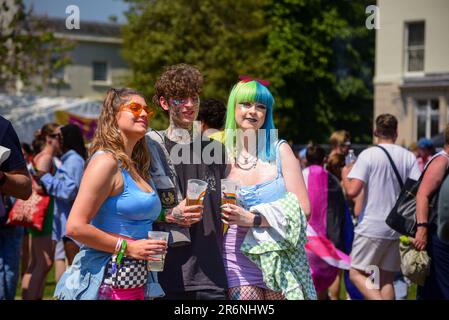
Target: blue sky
column 90, row 10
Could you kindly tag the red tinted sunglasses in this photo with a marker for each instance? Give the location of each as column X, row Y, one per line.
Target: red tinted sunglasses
column 136, row 109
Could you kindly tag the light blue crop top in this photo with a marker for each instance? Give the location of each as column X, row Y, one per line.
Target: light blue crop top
column 265, row 192
column 130, row 213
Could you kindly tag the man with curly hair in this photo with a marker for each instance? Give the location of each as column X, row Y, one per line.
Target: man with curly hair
column 193, row 268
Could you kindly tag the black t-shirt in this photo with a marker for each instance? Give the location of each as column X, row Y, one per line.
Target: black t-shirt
column 198, row 266
column 15, row 161
column 10, row 140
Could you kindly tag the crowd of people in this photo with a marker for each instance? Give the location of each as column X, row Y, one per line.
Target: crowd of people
column 302, row 223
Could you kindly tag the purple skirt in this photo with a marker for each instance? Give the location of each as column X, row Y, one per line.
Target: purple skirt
column 240, row 271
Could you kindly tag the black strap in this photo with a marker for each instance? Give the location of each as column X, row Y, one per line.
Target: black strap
column 396, row 172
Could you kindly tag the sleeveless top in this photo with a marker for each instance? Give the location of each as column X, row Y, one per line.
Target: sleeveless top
column 441, row 153
column 130, row 213
column 240, row 270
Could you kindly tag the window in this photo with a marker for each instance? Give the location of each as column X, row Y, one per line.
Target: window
column 414, row 55
column 427, row 118
column 100, row 71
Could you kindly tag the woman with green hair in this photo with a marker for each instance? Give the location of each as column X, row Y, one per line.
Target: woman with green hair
column 260, row 163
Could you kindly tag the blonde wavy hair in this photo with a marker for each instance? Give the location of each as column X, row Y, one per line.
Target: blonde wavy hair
column 108, row 138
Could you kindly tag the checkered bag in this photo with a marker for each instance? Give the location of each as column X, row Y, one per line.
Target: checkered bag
column 130, row 274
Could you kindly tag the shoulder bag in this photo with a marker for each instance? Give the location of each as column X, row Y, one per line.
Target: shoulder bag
column 402, row 217
column 30, row 213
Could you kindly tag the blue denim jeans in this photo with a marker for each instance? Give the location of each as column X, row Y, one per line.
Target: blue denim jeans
column 10, row 248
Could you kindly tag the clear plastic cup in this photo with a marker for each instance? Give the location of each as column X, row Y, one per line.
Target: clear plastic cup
column 196, row 189
column 157, row 265
column 229, row 191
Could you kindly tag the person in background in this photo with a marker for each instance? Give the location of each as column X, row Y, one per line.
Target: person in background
column 335, row 165
column 413, row 148
column 326, row 224
column 436, row 286
column 38, row 142
column 15, row 182
column 302, row 157
column 64, row 184
column 59, row 260
column 28, row 155
column 375, row 243
column 115, row 206
column 41, row 245
column 37, row 145
column 340, row 142
column 212, row 116
column 426, row 150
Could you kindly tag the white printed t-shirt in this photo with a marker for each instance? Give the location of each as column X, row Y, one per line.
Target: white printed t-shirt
column 381, row 186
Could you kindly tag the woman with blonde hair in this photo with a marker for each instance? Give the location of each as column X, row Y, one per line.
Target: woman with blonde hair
column 115, row 208
column 340, row 142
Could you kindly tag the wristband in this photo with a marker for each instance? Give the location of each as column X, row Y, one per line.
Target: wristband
column 118, row 245
column 422, row 224
column 121, row 252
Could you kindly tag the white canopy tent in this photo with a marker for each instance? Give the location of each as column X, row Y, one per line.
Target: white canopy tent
column 29, row 113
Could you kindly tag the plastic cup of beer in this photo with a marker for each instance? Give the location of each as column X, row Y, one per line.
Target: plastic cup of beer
column 196, row 189
column 157, row 265
column 229, row 191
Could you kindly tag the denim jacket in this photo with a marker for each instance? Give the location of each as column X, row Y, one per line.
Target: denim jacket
column 163, row 173
column 83, row 278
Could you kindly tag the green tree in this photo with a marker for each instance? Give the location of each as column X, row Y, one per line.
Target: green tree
column 29, row 50
column 322, row 59
column 317, row 54
column 222, row 38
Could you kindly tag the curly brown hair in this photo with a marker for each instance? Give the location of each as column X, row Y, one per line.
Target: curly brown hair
column 177, row 82
column 108, row 138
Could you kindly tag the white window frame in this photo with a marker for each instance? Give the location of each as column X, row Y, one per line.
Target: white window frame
column 428, row 114
column 407, row 47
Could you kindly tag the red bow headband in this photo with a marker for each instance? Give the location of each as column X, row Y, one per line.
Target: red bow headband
column 243, row 78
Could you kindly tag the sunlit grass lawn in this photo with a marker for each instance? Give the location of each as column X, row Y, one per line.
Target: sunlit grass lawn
column 411, row 291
